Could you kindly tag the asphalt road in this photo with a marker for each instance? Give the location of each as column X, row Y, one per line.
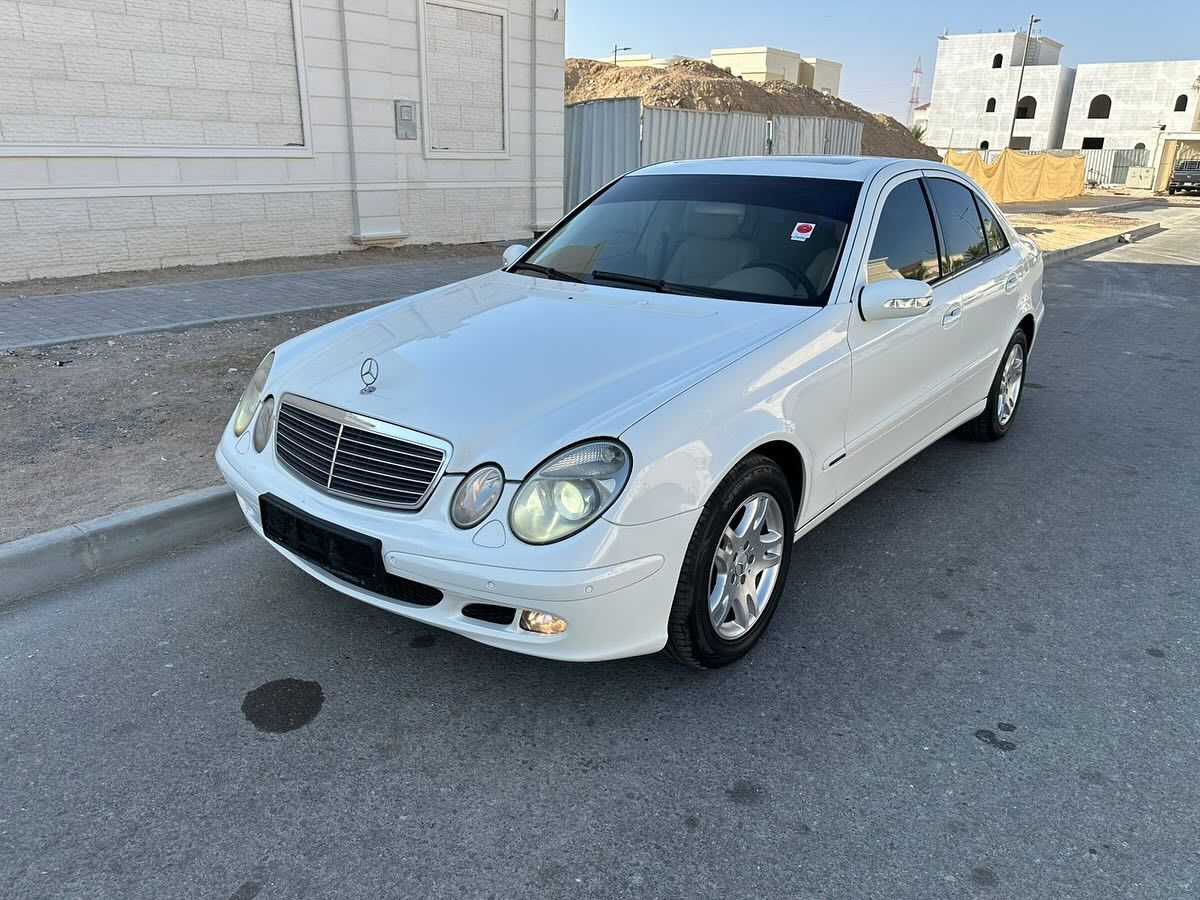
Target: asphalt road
column 984, row 681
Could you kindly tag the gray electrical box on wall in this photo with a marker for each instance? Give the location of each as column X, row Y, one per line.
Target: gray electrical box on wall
column 406, row 120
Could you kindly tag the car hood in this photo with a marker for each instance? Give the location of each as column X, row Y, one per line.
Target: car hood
column 510, row 368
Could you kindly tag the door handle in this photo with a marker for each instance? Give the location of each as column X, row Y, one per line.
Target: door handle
column 1011, row 284
column 952, row 315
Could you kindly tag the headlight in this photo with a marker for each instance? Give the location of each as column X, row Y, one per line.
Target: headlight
column 569, row 492
column 476, row 497
column 250, row 397
column 263, row 424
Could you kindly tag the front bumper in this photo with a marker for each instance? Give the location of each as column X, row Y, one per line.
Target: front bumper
column 613, row 584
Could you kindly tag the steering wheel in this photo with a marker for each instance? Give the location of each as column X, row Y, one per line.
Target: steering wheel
column 797, row 278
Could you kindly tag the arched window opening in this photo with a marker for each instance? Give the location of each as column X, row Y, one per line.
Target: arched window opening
column 1139, row 146
column 997, row 60
column 1026, row 108
column 991, row 105
column 983, row 145
column 1100, row 107
column 1181, row 103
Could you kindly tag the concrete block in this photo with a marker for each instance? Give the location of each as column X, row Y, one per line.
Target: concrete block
column 128, row 32
column 27, row 59
column 38, row 129
column 223, row 74
column 120, row 212
column 135, row 100
column 164, row 69
column 183, row 209
column 173, row 132
column 109, row 130
column 54, row 25
column 237, row 207
column 16, row 95
column 51, row 214
column 98, row 64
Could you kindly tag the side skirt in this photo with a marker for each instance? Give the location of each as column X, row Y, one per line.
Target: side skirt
column 965, row 416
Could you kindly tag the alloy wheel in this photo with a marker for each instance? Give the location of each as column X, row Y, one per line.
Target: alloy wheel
column 746, row 566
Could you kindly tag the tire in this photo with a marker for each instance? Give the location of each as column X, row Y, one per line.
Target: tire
column 997, row 418
column 692, row 636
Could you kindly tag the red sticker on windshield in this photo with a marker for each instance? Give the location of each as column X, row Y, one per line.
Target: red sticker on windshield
column 803, row 231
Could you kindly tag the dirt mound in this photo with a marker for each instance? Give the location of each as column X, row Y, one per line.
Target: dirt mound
column 695, row 84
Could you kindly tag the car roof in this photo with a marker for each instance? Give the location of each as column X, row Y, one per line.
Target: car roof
column 842, row 168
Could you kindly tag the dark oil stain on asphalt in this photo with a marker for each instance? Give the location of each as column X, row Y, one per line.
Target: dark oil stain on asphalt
column 692, row 822
column 746, row 793
column 1156, row 652
column 950, row 635
column 989, row 737
column 1026, row 628
column 283, row 705
column 1006, row 726
column 984, row 876
column 1091, row 776
column 248, row 891
column 423, row 641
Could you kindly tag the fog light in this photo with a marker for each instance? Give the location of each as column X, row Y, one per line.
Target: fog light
column 542, row 623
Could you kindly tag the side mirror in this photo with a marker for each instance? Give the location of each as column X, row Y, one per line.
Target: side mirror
column 513, row 253
column 894, row 298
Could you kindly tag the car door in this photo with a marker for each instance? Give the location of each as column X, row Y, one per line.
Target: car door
column 901, row 369
column 977, row 257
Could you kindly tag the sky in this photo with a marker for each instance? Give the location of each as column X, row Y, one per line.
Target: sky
column 876, row 41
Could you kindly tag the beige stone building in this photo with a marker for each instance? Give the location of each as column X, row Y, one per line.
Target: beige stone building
column 760, row 64
column 147, row 133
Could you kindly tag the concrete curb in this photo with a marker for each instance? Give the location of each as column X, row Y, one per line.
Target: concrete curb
column 1053, row 257
column 43, row 561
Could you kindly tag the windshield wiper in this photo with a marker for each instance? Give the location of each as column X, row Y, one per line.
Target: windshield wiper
column 548, row 271
column 663, row 287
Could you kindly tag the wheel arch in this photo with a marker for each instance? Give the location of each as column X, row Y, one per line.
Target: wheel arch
column 1027, row 325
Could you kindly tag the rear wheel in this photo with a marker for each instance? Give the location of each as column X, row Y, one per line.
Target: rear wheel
column 1005, row 396
column 735, row 567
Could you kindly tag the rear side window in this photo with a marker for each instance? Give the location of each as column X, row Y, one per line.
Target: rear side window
column 904, row 245
column 997, row 242
column 962, row 229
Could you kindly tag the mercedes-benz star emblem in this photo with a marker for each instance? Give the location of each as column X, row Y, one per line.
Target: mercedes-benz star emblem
column 369, row 373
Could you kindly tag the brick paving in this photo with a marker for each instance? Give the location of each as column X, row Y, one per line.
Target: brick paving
column 58, row 318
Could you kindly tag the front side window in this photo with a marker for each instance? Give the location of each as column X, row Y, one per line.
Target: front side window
column 962, row 229
column 740, row 237
column 904, row 245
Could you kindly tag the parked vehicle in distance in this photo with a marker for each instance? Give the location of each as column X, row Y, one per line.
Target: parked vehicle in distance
column 609, row 446
column 1185, row 176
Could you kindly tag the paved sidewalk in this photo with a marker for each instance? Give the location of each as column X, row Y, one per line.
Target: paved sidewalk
column 59, row 318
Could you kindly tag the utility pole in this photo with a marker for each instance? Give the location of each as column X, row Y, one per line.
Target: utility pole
column 1021, row 78
column 617, row 50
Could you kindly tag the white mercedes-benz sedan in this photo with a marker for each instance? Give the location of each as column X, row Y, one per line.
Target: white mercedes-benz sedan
column 609, row 446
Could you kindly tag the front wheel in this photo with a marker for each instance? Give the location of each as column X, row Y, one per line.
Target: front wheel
column 735, row 567
column 1005, row 395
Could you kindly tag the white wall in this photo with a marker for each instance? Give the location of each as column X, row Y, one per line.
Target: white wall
column 82, row 189
column 1143, row 97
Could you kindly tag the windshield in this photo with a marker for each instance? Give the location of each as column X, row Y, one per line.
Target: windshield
column 742, row 237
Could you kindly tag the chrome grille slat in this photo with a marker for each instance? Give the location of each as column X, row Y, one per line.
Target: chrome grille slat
column 349, row 451
column 353, row 456
column 302, row 435
column 384, row 442
column 316, row 460
column 343, row 465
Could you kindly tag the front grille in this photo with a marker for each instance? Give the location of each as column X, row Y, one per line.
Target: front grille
column 356, row 457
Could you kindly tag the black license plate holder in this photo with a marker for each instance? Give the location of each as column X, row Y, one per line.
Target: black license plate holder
column 343, row 553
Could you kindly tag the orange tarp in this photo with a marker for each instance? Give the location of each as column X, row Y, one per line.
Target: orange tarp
column 1014, row 177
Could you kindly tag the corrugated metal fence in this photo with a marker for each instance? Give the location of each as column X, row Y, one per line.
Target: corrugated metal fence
column 815, row 135
column 607, row 138
column 1111, row 166
column 688, row 134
